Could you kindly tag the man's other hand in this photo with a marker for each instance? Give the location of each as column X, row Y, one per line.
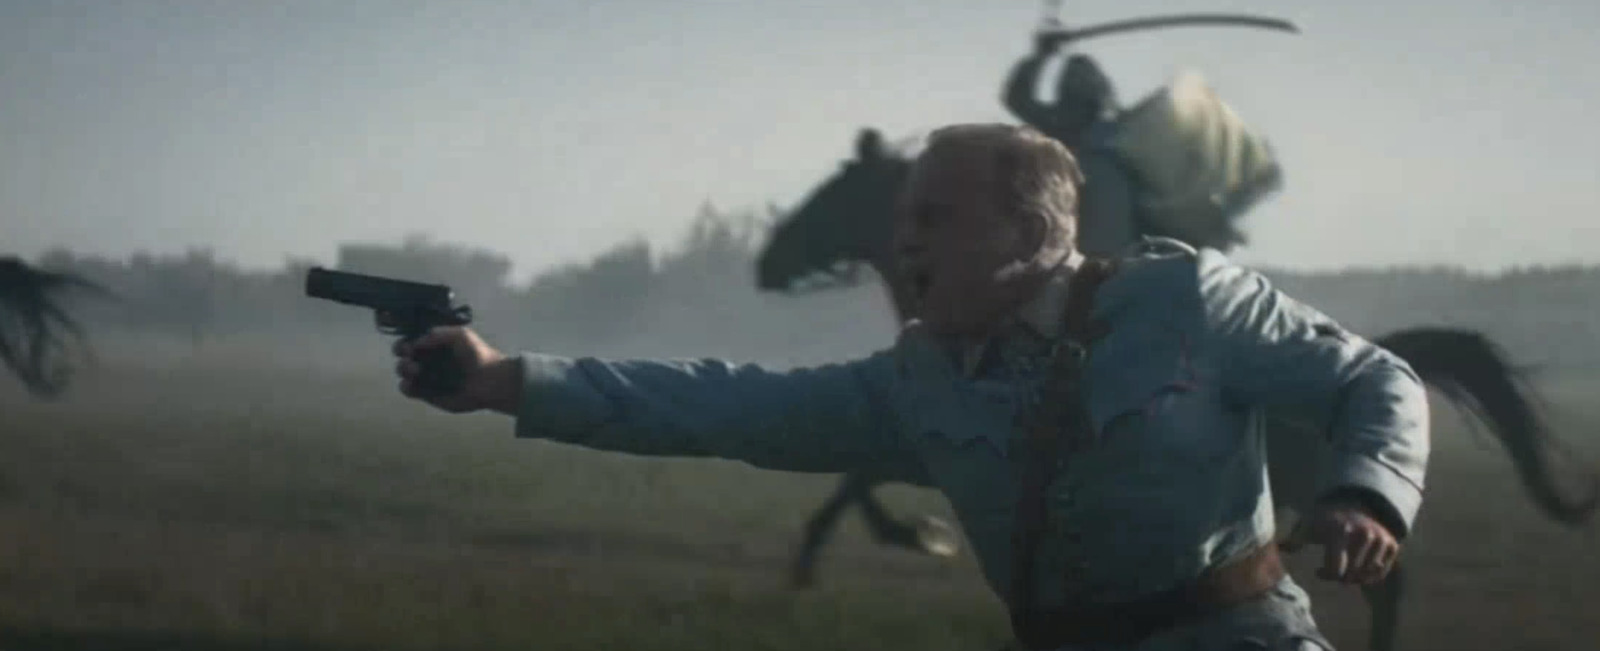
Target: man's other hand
column 1358, row 548
column 490, row 379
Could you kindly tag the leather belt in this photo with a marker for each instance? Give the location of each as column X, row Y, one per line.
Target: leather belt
column 1121, row 623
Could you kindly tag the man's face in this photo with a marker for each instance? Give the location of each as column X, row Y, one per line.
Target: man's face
column 953, row 245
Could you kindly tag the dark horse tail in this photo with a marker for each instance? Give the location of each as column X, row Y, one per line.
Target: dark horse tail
column 35, row 328
column 1472, row 373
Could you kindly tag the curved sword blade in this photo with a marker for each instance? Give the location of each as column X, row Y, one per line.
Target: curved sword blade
column 1175, row 20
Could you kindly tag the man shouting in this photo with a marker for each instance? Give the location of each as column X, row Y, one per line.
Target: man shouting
column 1090, row 419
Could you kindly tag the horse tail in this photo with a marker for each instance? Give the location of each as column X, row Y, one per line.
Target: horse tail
column 35, row 328
column 1471, row 371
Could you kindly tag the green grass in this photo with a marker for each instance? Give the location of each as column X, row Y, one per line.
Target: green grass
column 234, row 508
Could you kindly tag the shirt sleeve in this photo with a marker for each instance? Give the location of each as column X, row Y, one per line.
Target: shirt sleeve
column 829, row 418
column 1280, row 353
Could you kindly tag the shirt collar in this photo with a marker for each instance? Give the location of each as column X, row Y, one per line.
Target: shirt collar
column 1042, row 315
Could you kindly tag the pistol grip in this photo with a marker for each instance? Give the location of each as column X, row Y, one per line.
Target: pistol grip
column 439, row 374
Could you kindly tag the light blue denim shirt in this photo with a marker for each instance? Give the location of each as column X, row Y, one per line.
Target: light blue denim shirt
column 1175, row 482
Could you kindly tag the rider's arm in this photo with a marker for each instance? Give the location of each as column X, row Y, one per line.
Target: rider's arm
column 1018, row 95
column 829, row 418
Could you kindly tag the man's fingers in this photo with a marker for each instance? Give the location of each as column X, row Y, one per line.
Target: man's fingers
column 1364, row 548
column 442, row 336
column 458, row 341
column 1380, row 563
column 1390, row 554
column 1356, row 548
column 1334, row 559
column 409, row 388
column 462, row 347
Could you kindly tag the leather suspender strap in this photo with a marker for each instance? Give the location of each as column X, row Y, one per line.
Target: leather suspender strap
column 1059, row 410
column 1057, row 406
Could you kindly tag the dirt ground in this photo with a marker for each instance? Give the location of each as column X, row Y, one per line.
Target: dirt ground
column 215, row 507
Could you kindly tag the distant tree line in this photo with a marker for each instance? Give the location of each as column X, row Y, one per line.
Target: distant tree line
column 1545, row 315
column 699, row 299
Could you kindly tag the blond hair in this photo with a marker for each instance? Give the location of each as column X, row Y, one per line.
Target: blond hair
column 1035, row 177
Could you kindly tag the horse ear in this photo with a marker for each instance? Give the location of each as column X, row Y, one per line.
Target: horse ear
column 869, row 145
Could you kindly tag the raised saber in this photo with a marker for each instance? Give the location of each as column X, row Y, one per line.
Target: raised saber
column 1054, row 31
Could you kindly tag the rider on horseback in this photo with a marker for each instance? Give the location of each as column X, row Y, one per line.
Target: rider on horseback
column 1085, row 101
column 1179, row 164
column 1082, row 117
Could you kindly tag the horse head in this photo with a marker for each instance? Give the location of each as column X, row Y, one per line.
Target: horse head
column 844, row 223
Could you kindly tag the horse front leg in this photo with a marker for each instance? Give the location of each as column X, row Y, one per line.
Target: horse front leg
column 819, row 528
column 927, row 534
column 886, row 530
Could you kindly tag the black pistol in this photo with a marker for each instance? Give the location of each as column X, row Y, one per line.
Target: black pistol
column 404, row 308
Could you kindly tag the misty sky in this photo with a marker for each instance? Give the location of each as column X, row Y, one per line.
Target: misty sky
column 1436, row 131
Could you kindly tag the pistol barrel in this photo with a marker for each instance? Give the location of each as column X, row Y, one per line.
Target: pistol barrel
column 374, row 291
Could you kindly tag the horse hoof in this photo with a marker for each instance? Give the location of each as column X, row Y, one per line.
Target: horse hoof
column 937, row 538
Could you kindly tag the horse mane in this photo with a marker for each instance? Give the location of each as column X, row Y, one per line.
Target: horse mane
column 903, row 149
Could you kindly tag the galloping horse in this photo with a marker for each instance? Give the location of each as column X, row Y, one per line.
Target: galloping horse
column 35, row 330
column 845, row 225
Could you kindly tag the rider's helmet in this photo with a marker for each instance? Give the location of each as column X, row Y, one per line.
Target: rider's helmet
column 869, row 145
column 1083, row 88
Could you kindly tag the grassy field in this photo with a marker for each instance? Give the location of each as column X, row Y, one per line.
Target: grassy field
column 213, row 507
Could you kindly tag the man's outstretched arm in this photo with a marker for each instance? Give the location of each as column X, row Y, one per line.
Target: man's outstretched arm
column 829, row 418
